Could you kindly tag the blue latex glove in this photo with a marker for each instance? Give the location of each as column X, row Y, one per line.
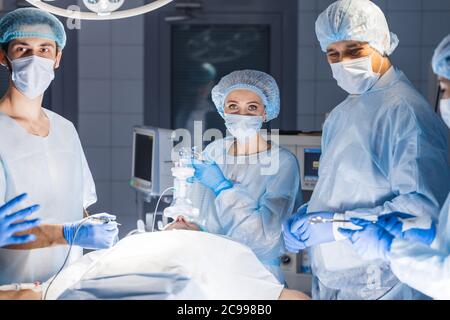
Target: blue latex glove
column 291, row 241
column 12, row 223
column 391, row 222
column 210, row 175
column 92, row 234
column 300, row 234
column 371, row 242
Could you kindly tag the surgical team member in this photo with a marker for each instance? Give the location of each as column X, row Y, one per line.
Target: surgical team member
column 383, row 150
column 412, row 260
column 248, row 185
column 40, row 153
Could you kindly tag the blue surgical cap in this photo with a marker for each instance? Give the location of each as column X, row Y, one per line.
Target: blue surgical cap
column 441, row 59
column 31, row 23
column 259, row 82
column 357, row 20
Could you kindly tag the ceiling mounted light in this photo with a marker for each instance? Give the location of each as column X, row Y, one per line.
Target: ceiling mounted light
column 102, row 9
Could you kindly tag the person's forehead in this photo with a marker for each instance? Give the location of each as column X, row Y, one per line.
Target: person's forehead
column 33, row 42
column 240, row 94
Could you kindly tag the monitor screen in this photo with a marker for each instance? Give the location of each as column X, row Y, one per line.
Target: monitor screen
column 143, row 157
column 312, row 158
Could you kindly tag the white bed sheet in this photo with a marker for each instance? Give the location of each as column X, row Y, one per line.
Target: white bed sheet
column 174, row 264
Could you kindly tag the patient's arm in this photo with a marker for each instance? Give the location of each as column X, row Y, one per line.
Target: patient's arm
column 24, row 292
column 288, row 294
column 20, row 295
column 47, row 235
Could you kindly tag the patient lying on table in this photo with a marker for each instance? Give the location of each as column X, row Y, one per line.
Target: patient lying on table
column 176, row 264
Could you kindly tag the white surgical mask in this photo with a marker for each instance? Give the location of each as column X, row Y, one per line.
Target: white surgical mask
column 445, row 111
column 243, row 128
column 355, row 76
column 32, row 75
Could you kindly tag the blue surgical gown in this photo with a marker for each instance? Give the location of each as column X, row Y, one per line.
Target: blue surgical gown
column 265, row 192
column 425, row 268
column 383, row 151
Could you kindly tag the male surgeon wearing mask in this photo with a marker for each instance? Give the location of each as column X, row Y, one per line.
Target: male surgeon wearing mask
column 412, row 260
column 383, row 150
column 41, row 155
column 247, row 186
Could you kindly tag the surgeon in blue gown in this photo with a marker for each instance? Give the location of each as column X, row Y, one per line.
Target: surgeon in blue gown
column 419, row 257
column 383, row 150
column 247, row 186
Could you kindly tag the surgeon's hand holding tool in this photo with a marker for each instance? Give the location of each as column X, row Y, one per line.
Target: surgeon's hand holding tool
column 409, row 227
column 98, row 231
column 304, row 230
column 373, row 241
column 209, row 174
column 190, row 167
column 10, row 224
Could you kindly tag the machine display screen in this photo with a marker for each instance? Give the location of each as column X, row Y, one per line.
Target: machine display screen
column 312, row 158
column 143, row 157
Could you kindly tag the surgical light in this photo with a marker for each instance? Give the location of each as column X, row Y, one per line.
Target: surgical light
column 101, row 9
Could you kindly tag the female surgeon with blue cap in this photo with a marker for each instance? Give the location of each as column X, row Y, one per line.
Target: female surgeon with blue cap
column 418, row 257
column 40, row 155
column 247, row 186
column 383, row 150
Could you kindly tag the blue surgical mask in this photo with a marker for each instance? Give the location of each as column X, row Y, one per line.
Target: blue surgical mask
column 243, row 128
column 32, row 75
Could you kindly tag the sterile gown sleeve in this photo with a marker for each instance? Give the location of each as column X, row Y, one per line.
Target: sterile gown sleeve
column 257, row 222
column 89, row 192
column 2, row 183
column 425, row 268
column 415, row 168
column 421, row 267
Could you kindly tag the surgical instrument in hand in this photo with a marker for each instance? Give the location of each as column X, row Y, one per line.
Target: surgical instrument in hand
column 317, row 220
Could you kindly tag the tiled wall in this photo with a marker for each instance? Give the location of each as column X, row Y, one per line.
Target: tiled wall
column 420, row 26
column 111, row 85
column 111, row 59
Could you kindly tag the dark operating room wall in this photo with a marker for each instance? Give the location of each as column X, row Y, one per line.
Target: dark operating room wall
column 251, row 34
column 111, row 91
